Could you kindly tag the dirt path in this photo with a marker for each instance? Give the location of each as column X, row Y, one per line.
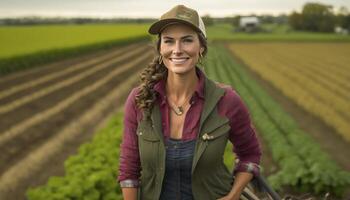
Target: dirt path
column 37, row 136
column 330, row 141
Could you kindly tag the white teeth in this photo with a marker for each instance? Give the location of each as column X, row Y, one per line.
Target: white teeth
column 178, row 60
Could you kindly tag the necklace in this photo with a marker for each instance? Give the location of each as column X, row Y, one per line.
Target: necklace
column 179, row 110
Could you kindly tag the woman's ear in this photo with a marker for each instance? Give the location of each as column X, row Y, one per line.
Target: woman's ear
column 201, row 50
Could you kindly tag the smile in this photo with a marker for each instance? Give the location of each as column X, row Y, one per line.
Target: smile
column 178, row 60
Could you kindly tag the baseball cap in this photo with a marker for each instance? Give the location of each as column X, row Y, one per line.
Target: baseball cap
column 179, row 14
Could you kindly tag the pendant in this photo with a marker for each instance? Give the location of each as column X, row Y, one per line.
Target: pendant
column 179, row 110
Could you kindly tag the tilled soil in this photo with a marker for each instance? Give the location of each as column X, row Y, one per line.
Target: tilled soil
column 18, row 145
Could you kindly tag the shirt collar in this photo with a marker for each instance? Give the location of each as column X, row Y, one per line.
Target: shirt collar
column 199, row 91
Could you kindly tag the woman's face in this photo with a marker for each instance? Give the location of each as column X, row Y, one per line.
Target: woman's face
column 180, row 48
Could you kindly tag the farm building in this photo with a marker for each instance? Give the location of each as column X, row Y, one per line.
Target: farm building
column 249, row 24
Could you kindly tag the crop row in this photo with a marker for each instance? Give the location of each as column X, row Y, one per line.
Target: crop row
column 291, row 75
column 302, row 163
column 115, row 58
column 91, row 174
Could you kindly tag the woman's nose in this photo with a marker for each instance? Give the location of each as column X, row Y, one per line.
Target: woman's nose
column 177, row 48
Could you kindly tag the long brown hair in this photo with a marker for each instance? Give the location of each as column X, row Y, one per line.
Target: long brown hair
column 154, row 72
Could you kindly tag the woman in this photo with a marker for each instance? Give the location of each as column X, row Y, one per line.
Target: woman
column 177, row 123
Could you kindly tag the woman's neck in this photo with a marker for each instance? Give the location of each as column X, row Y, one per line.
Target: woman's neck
column 179, row 87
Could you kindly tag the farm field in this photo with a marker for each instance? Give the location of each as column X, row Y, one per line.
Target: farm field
column 24, row 47
column 315, row 76
column 47, row 112
column 22, row 40
column 293, row 158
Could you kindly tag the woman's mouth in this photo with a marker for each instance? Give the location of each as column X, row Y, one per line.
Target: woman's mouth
column 178, row 61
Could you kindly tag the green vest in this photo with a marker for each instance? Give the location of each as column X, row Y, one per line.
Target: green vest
column 210, row 177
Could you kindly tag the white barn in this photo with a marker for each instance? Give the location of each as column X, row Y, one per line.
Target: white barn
column 249, row 24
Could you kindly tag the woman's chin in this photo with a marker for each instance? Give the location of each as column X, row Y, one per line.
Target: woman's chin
column 180, row 70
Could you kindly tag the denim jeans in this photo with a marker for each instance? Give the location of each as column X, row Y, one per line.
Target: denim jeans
column 177, row 180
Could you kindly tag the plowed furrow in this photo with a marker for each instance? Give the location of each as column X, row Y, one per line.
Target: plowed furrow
column 68, row 103
column 63, row 82
column 47, row 159
column 21, row 78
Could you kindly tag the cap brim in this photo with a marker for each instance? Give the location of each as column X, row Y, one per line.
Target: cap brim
column 158, row 26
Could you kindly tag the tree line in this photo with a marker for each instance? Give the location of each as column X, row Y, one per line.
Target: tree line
column 319, row 17
column 315, row 17
column 60, row 20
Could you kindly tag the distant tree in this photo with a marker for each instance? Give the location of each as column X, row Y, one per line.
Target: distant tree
column 343, row 18
column 267, row 19
column 208, row 20
column 226, row 20
column 281, row 19
column 235, row 20
column 318, row 17
column 314, row 17
column 296, row 21
column 346, row 22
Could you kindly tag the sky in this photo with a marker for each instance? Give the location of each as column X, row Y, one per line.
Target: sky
column 151, row 8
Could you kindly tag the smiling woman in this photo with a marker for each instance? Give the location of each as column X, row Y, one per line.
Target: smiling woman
column 177, row 123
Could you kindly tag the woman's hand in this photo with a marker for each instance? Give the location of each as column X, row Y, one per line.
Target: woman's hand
column 241, row 180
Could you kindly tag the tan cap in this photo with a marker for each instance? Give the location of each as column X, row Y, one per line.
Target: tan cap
column 179, row 14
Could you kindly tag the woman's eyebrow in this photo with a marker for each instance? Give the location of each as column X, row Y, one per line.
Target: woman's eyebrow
column 184, row 37
column 187, row 36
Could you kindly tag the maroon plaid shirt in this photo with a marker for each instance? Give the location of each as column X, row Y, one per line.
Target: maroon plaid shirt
column 242, row 133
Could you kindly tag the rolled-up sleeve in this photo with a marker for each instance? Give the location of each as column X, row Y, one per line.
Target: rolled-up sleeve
column 129, row 160
column 242, row 133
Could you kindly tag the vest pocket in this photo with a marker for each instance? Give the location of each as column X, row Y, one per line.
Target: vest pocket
column 216, row 133
column 149, row 144
column 148, row 150
column 148, row 136
column 146, row 132
column 212, row 147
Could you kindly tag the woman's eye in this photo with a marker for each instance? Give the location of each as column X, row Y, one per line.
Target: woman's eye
column 168, row 41
column 188, row 40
